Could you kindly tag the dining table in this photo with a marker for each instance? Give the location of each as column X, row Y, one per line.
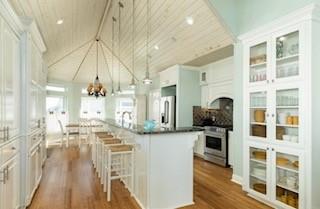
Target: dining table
column 74, row 129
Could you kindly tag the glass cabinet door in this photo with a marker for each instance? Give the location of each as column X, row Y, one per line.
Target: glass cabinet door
column 258, row 63
column 287, row 179
column 287, row 55
column 258, row 170
column 258, row 108
column 287, row 121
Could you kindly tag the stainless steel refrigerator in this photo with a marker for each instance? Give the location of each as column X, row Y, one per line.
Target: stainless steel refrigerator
column 168, row 112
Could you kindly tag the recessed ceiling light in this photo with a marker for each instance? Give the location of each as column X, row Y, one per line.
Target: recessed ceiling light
column 59, row 22
column 156, row 47
column 189, row 20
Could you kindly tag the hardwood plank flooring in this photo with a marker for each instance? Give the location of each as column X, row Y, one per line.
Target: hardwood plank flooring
column 69, row 182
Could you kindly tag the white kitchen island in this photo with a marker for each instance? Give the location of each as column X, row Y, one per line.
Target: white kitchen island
column 163, row 165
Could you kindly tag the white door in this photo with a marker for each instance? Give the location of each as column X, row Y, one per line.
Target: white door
column 288, row 178
column 10, row 187
column 11, row 75
column 257, row 170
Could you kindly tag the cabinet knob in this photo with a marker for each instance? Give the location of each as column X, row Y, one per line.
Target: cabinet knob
column 267, row 148
column 272, row 115
column 272, row 149
column 272, row 80
column 13, row 148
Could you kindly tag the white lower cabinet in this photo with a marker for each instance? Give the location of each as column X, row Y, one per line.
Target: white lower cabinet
column 274, row 175
column 34, row 170
column 199, row 146
column 9, row 184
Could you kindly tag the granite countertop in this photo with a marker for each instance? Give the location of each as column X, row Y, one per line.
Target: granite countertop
column 138, row 129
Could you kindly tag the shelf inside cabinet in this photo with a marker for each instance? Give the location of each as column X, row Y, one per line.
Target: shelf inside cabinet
column 288, row 168
column 262, row 64
column 258, row 123
column 288, row 125
column 261, row 178
column 295, row 190
column 253, row 107
column 288, row 58
column 258, row 161
column 288, row 107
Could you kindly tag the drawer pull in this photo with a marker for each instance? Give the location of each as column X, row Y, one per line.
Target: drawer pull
column 3, row 180
column 13, row 148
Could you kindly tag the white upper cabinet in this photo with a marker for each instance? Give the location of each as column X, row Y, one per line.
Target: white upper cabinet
column 10, row 81
column 169, row 77
column 279, row 88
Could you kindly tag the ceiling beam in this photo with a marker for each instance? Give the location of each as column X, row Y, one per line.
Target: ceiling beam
column 68, row 54
column 85, row 56
column 103, row 18
column 116, row 56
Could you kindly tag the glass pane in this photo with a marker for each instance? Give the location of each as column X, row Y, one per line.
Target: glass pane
column 287, row 49
column 287, row 190
column 258, row 63
column 288, row 115
column 258, row 170
column 258, row 107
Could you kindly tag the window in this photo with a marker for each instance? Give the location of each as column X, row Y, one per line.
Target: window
column 55, row 111
column 92, row 107
column 124, row 105
column 55, row 88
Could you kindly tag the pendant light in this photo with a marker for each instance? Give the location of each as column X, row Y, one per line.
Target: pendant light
column 147, row 80
column 112, row 58
column 96, row 88
column 119, row 46
column 133, row 84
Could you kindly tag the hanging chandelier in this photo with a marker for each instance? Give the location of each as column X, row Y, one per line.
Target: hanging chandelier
column 96, row 88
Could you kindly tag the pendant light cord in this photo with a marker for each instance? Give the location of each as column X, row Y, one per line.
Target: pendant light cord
column 148, row 34
column 133, row 36
column 119, row 44
column 97, row 57
column 112, row 58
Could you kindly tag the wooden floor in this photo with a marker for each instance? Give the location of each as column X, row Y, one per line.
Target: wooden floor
column 69, row 182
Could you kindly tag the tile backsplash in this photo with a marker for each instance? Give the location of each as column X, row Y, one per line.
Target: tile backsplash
column 216, row 116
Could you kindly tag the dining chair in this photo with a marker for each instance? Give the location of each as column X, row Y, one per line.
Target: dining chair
column 74, row 134
column 84, row 130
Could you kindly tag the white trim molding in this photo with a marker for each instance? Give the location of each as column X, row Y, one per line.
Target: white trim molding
column 10, row 17
column 308, row 12
column 31, row 26
column 237, row 179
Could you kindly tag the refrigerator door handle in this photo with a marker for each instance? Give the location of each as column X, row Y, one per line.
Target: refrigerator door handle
column 166, row 109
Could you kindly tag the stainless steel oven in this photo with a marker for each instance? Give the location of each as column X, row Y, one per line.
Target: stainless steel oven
column 216, row 145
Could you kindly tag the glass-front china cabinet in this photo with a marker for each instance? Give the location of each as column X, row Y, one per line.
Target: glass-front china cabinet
column 277, row 114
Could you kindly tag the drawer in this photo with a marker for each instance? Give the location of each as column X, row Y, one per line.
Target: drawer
column 9, row 150
column 34, row 139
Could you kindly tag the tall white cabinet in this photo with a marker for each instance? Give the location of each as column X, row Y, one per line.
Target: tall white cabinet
column 278, row 119
column 10, row 133
column 22, row 108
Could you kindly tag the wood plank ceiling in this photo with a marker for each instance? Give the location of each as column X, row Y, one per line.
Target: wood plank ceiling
column 178, row 41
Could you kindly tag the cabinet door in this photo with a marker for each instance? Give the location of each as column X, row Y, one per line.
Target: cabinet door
column 258, row 176
column 288, row 115
column 288, row 47
column 33, row 107
column 288, row 183
column 258, row 124
column 32, row 172
column 257, row 62
column 10, row 188
column 11, row 64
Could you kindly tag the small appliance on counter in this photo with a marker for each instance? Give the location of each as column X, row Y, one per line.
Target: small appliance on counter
column 168, row 112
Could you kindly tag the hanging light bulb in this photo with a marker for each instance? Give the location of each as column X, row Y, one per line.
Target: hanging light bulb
column 147, row 80
column 132, row 85
column 112, row 58
column 119, row 49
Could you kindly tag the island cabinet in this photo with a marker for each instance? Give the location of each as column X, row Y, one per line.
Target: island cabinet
column 163, row 165
column 280, row 66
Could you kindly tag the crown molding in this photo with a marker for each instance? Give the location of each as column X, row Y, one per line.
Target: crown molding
column 309, row 12
column 9, row 15
column 31, row 27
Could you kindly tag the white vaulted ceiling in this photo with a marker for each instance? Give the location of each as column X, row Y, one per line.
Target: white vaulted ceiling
column 67, row 44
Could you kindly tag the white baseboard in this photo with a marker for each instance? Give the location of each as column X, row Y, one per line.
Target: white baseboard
column 236, row 179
